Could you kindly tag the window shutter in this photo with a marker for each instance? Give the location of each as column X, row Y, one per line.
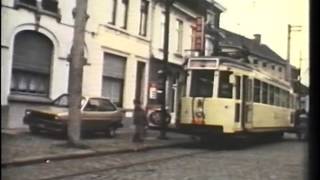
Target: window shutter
column 32, row 52
column 114, row 66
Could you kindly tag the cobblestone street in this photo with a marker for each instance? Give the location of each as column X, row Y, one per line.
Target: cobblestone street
column 284, row 160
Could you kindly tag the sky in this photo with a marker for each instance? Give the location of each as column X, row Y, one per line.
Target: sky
column 270, row 18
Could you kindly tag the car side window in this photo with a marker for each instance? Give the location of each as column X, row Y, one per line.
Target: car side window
column 95, row 104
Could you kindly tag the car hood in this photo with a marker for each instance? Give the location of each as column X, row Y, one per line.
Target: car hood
column 51, row 110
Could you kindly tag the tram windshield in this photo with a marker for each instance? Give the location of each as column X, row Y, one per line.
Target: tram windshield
column 202, row 83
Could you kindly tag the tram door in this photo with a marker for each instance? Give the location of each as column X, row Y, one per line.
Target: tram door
column 246, row 103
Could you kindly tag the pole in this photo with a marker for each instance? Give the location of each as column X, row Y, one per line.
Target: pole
column 288, row 54
column 76, row 72
column 290, row 29
column 299, row 82
column 165, row 69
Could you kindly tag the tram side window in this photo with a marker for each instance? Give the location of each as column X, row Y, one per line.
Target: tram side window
column 225, row 87
column 276, row 96
column 264, row 93
column 291, row 101
column 287, row 99
column 238, row 83
column 282, row 98
column 202, row 83
column 256, row 91
column 271, row 94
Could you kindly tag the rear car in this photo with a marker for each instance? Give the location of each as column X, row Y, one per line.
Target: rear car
column 98, row 114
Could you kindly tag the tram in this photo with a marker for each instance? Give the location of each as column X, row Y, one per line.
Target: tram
column 225, row 96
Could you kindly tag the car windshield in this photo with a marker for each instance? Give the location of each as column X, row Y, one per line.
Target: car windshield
column 63, row 101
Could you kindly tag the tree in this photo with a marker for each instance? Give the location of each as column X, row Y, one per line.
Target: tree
column 163, row 129
column 76, row 72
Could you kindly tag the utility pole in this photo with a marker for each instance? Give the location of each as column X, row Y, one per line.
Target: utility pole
column 299, row 82
column 291, row 28
column 76, row 71
column 163, row 129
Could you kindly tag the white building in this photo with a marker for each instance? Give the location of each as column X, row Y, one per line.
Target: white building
column 121, row 38
column 37, row 37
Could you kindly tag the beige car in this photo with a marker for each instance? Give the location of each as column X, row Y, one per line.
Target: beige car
column 98, row 114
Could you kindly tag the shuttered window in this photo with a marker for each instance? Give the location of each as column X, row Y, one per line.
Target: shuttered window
column 31, row 65
column 113, row 77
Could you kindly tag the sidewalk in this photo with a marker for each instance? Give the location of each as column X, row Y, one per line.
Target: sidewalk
column 20, row 147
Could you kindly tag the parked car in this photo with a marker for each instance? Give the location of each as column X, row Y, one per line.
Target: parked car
column 98, row 114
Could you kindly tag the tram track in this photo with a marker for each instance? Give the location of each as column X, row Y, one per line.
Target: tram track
column 91, row 166
column 127, row 165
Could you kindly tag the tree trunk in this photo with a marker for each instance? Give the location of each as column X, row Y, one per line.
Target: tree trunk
column 76, row 72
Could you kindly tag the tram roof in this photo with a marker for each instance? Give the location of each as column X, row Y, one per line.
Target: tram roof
column 239, row 64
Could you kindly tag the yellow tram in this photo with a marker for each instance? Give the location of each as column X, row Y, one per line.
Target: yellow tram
column 225, row 96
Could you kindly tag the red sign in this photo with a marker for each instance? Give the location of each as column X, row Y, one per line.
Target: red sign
column 198, row 34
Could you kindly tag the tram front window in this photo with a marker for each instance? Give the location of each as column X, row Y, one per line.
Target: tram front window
column 202, row 83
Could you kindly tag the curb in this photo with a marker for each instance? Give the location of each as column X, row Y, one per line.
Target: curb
column 75, row 155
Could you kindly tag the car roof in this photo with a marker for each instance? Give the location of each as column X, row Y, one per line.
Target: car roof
column 96, row 97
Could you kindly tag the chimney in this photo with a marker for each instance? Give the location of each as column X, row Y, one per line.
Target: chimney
column 257, row 38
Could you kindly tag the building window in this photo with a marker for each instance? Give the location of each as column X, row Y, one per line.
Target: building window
column 162, row 24
column 255, row 61
column 179, row 35
column 27, row 2
column 113, row 78
column 208, row 47
column 31, row 66
column 50, row 5
column 112, row 11
column 211, row 19
column 280, row 69
column 44, row 6
column 124, row 13
column 264, row 64
column 256, row 91
column 143, row 17
column 272, row 67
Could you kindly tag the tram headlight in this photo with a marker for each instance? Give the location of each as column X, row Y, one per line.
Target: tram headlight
column 198, row 114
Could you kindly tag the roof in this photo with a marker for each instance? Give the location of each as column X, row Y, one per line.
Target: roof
column 231, row 39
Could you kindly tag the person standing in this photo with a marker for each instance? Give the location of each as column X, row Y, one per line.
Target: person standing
column 140, row 121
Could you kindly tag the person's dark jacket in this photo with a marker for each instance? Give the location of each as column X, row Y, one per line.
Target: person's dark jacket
column 139, row 116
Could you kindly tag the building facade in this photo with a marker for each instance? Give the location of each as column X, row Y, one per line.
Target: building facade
column 186, row 34
column 124, row 40
column 36, row 43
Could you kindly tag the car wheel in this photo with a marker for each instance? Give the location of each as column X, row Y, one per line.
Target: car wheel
column 34, row 130
column 111, row 132
column 155, row 118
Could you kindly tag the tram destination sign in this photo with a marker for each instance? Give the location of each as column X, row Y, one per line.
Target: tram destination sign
column 203, row 63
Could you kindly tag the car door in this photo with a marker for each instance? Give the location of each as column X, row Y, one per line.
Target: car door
column 100, row 109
